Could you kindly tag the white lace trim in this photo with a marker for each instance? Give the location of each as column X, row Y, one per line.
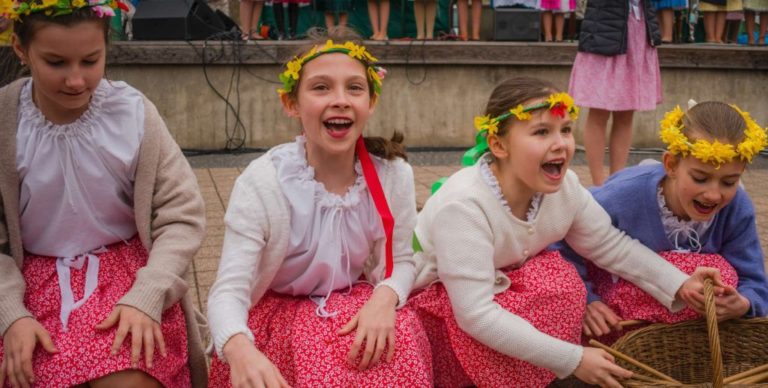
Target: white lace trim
column 678, row 230
column 326, row 198
column 81, row 126
column 493, row 183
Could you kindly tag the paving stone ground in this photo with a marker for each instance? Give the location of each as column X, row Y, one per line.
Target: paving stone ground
column 216, row 185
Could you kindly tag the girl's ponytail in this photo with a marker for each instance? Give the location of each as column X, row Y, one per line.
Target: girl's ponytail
column 386, row 149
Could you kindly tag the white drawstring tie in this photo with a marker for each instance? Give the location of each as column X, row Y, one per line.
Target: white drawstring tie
column 63, row 265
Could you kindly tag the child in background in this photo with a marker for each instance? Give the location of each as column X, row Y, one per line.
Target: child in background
column 752, row 8
column 378, row 11
column 555, row 9
column 616, row 72
column 715, row 16
column 665, row 9
column 506, row 312
column 313, row 275
column 424, row 13
column 250, row 15
column 101, row 216
column 332, row 9
column 278, row 8
column 477, row 11
column 691, row 210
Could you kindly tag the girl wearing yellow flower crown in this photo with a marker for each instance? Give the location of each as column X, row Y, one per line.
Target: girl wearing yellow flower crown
column 317, row 262
column 691, row 209
column 101, row 217
column 507, row 311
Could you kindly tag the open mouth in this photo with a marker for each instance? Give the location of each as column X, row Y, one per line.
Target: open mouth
column 553, row 169
column 73, row 94
column 704, row 208
column 338, row 127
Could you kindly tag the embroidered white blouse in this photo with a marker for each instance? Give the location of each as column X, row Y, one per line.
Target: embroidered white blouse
column 331, row 235
column 76, row 192
column 684, row 235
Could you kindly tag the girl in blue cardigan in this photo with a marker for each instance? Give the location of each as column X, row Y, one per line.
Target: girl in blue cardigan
column 690, row 209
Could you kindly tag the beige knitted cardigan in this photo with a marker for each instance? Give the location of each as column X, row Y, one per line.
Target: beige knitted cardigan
column 170, row 219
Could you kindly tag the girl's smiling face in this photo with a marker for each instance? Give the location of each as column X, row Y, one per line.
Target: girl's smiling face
column 333, row 103
column 67, row 64
column 535, row 154
column 695, row 190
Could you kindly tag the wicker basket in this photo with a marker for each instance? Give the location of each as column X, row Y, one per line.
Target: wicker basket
column 685, row 351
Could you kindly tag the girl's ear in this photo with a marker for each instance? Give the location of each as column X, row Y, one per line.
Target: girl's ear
column 670, row 162
column 498, row 148
column 18, row 49
column 290, row 106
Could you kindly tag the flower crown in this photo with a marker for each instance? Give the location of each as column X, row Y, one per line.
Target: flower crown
column 715, row 153
column 558, row 104
column 14, row 9
column 291, row 75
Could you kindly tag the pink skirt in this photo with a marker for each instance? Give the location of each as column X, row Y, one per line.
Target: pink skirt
column 84, row 352
column 558, row 5
column 631, row 81
column 632, row 303
column 546, row 291
column 309, row 353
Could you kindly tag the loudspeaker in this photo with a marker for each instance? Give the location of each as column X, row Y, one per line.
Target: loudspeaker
column 175, row 20
column 516, row 24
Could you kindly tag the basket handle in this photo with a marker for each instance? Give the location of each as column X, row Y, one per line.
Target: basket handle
column 713, row 334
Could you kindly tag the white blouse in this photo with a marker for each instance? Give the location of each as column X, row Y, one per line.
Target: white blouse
column 76, row 193
column 331, row 235
column 684, row 235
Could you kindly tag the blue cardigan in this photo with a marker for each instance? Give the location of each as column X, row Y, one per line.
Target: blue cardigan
column 629, row 197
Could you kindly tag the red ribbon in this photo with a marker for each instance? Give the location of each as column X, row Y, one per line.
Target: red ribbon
column 379, row 199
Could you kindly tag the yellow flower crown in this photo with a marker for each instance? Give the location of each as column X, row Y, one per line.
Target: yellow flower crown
column 715, row 153
column 291, row 75
column 558, row 104
column 14, row 9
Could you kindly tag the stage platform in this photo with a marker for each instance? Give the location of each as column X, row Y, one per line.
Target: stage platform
column 218, row 94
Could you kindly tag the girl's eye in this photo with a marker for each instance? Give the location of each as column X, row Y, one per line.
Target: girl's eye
column 320, row 87
column 566, row 130
column 89, row 62
column 55, row 63
column 356, row 87
column 730, row 183
column 698, row 179
column 541, row 132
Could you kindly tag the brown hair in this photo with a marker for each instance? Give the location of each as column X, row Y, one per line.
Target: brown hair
column 379, row 146
column 715, row 119
column 26, row 27
column 513, row 92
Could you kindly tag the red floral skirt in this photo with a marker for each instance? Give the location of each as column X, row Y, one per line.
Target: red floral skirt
column 84, row 352
column 546, row 291
column 630, row 302
column 309, row 353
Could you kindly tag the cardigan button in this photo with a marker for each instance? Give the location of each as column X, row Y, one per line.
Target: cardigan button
column 530, row 230
column 525, row 253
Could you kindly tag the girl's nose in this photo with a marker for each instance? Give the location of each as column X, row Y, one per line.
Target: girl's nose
column 340, row 99
column 75, row 80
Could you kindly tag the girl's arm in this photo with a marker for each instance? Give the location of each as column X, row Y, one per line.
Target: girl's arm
column 741, row 247
column 594, row 237
column 241, row 268
column 402, row 201
column 176, row 223
column 12, row 284
column 463, row 242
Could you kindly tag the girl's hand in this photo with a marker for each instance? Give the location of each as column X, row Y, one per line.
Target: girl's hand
column 598, row 367
column 19, row 342
column 692, row 290
column 375, row 324
column 731, row 304
column 248, row 367
column 144, row 331
column 599, row 320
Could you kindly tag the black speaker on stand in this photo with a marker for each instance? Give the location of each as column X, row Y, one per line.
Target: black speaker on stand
column 519, row 24
column 175, row 20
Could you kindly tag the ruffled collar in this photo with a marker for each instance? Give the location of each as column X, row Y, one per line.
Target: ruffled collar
column 293, row 165
column 84, row 123
column 493, row 183
column 679, row 232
